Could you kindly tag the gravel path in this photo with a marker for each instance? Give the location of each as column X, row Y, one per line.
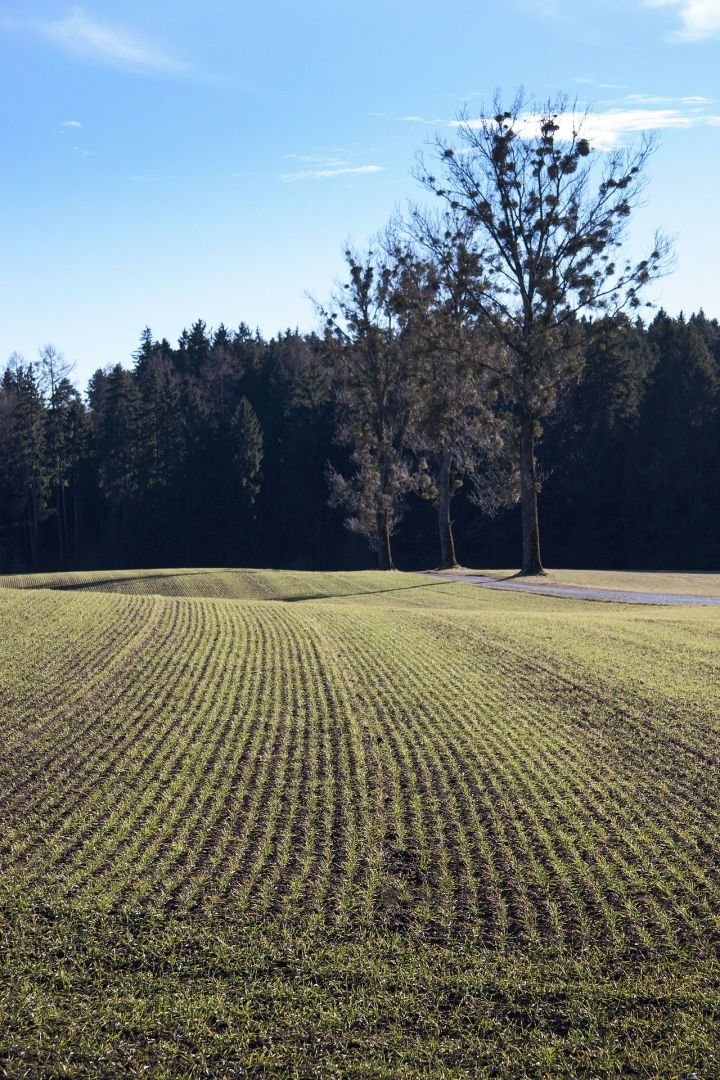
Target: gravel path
column 580, row 592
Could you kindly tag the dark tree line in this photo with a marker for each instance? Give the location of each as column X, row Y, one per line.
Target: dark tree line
column 473, row 357
column 216, row 452
column 212, row 451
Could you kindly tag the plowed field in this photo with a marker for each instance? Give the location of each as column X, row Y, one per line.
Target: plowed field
column 380, row 783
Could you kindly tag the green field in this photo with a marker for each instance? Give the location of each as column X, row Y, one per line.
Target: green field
column 270, row 823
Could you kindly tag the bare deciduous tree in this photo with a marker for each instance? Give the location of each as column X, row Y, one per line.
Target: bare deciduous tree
column 373, row 380
column 459, row 365
column 549, row 216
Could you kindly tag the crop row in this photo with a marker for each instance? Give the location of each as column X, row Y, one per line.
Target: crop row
column 353, row 762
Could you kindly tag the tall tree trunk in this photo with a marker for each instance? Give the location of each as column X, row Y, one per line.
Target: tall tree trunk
column 447, row 543
column 76, row 527
column 60, row 524
column 65, row 530
column 531, row 561
column 385, row 559
column 32, row 520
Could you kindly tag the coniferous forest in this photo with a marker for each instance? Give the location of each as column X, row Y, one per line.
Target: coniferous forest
column 218, row 451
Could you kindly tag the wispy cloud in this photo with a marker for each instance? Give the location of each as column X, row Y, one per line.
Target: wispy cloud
column 82, row 35
column 649, row 99
column 700, row 19
column 414, row 118
column 334, row 170
column 611, row 129
column 71, row 124
column 82, row 152
column 324, row 163
column 424, row 120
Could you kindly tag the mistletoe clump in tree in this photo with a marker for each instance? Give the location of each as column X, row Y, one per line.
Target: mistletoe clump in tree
column 549, row 216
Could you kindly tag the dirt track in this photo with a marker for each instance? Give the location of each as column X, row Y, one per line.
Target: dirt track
column 579, row 592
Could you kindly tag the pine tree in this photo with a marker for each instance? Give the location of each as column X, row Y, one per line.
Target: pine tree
column 26, row 475
column 247, row 453
column 116, row 415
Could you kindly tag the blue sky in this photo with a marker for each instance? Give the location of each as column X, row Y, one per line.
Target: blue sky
column 167, row 160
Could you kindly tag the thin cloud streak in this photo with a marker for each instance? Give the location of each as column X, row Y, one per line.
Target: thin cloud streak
column 81, row 35
column 648, row 99
column 335, row 170
column 423, row 120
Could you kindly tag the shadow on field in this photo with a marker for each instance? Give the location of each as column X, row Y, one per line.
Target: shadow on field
column 77, row 586
column 100, row 583
column 363, row 592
